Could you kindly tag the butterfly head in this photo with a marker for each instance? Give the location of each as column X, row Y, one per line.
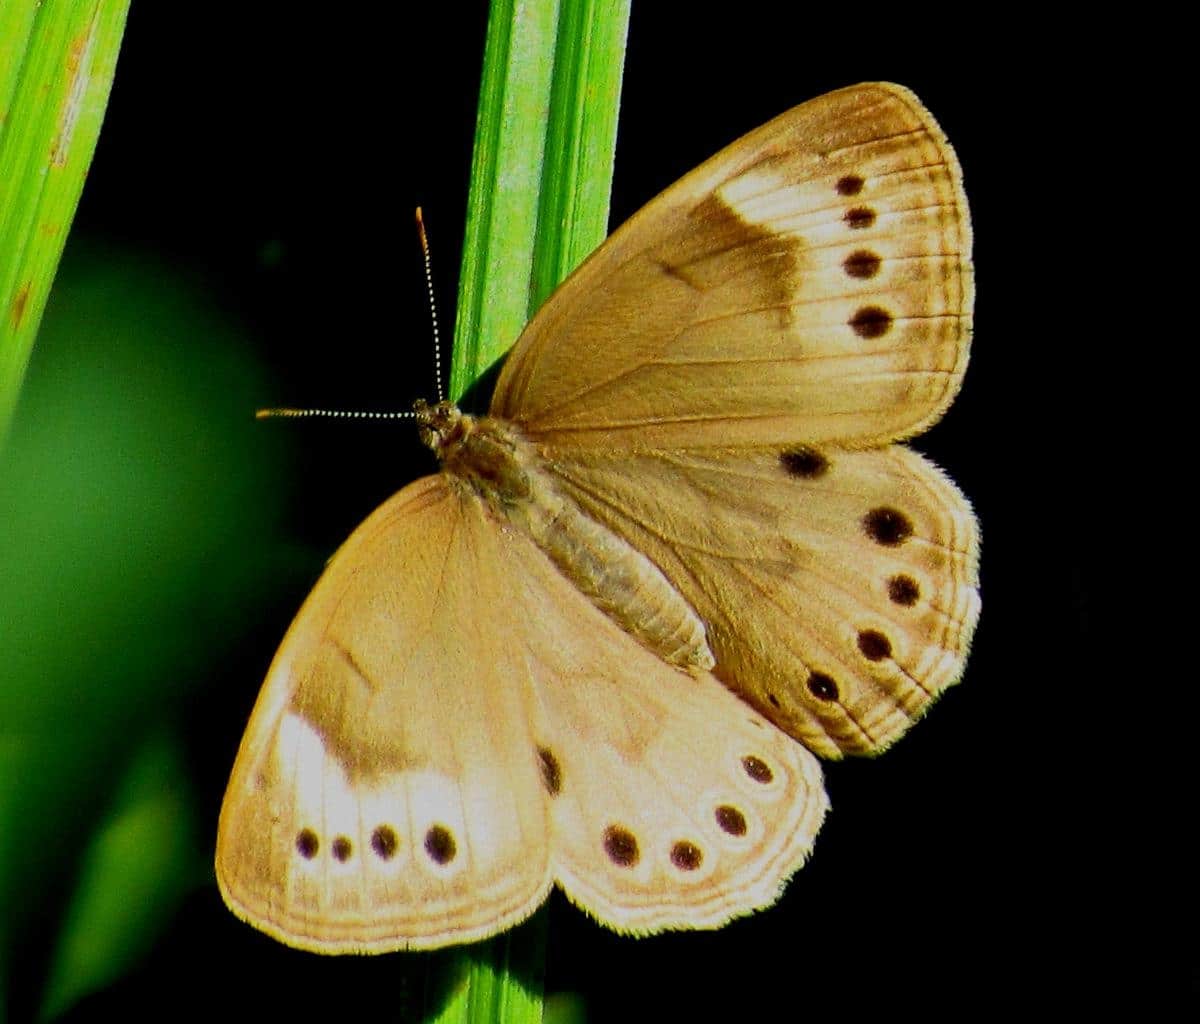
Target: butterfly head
column 440, row 425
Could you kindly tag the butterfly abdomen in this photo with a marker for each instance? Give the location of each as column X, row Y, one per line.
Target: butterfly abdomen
column 506, row 471
column 621, row 581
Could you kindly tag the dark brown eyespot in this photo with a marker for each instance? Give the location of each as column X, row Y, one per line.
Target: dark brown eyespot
column 551, row 771
column 861, row 264
column 686, row 856
column 903, row 590
column 384, row 842
column 859, row 217
column 887, row 526
column 871, row 322
column 849, row 185
column 621, row 846
column 439, row 844
column 307, row 844
column 757, row 768
column 822, row 686
column 730, row 820
column 341, row 849
column 804, row 462
column 874, row 645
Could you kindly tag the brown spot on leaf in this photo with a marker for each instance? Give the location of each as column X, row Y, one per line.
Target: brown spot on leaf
column 80, row 76
column 341, row 849
column 849, row 185
column 19, row 302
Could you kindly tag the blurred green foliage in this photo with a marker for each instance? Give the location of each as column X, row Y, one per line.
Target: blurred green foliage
column 135, row 870
column 136, row 507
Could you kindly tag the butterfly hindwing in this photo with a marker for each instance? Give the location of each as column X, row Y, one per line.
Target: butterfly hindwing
column 674, row 804
column 839, row 588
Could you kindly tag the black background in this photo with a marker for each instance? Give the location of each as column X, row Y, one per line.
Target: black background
column 950, row 874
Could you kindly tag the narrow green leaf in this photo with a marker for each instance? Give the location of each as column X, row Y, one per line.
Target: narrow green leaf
column 506, row 170
column 541, row 173
column 580, row 142
column 57, row 63
column 56, row 67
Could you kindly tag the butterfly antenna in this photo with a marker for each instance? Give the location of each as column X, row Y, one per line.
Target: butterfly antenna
column 437, row 341
column 342, row 414
column 333, row 414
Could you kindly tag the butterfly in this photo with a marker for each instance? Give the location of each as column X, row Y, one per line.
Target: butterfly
column 681, row 558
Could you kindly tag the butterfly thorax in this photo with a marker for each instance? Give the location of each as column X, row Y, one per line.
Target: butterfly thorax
column 487, row 454
column 490, row 459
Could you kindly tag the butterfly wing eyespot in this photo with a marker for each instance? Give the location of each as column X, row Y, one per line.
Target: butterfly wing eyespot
column 481, row 698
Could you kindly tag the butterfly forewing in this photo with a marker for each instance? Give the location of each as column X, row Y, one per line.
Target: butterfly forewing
column 386, row 794
column 812, row 282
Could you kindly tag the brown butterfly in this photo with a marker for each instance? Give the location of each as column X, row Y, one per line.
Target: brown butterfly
column 680, row 557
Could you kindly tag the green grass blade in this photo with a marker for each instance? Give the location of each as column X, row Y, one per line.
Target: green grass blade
column 581, row 141
column 542, row 168
column 506, row 170
column 56, row 68
column 540, row 183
